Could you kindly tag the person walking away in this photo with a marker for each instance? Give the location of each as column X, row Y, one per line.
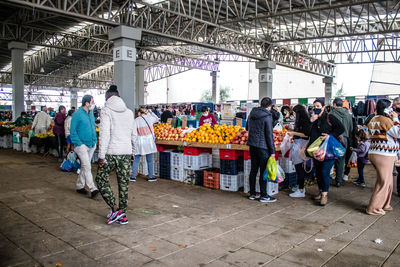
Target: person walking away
column 261, row 142
column 145, row 143
column 207, row 117
column 353, row 143
column 84, row 138
column 345, row 117
column 41, row 122
column 301, row 133
column 396, row 113
column 382, row 154
column 116, row 148
column 22, row 120
column 67, row 127
column 362, row 151
column 321, row 127
column 167, row 114
column 59, row 131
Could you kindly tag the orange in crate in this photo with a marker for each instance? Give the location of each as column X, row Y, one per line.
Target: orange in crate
column 211, row 178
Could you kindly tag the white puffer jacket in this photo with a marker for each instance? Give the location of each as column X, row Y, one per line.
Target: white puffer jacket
column 117, row 129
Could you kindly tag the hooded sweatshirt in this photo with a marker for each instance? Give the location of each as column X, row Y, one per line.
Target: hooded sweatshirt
column 259, row 125
column 117, row 129
column 345, row 117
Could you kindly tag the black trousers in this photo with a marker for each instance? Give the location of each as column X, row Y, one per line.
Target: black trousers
column 301, row 174
column 259, row 158
column 60, row 144
column 398, row 180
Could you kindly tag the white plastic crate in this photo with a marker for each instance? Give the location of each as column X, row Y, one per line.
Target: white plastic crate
column 246, row 183
column 231, row 182
column 156, row 157
column 215, row 162
column 247, row 166
column 26, row 148
column 176, row 159
column 17, row 146
column 272, row 188
column 7, row 141
column 17, row 138
column 287, row 165
column 156, row 168
column 202, row 161
column 177, row 174
column 2, row 141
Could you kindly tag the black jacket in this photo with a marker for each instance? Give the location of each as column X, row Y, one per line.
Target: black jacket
column 322, row 125
column 166, row 115
column 275, row 117
column 259, row 125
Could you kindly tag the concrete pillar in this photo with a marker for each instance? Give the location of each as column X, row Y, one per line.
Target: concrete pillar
column 74, row 98
column 328, row 81
column 17, row 60
column 140, row 65
column 125, row 38
column 265, row 78
column 214, row 93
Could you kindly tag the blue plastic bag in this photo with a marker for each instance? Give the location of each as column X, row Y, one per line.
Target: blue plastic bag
column 335, row 148
column 71, row 164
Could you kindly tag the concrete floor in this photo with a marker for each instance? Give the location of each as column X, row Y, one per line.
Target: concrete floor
column 43, row 221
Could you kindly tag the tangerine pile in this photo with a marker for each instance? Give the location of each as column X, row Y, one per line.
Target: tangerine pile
column 217, row 134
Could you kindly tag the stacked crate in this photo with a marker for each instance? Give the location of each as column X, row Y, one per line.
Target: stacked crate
column 165, row 165
column 177, row 173
column 156, row 160
column 17, row 141
column 290, row 173
column 231, row 169
column 211, row 178
column 193, row 177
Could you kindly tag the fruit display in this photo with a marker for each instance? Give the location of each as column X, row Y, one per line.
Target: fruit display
column 279, row 135
column 241, row 138
column 217, row 134
column 23, row 129
column 164, row 131
column 44, row 135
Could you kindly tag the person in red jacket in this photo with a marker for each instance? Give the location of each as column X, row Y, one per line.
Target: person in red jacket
column 59, row 131
column 207, row 117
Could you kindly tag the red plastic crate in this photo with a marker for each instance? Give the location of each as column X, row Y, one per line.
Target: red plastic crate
column 230, row 154
column 195, row 151
column 246, row 155
column 162, row 148
column 211, row 178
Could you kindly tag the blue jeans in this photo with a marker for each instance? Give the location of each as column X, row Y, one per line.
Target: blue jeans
column 150, row 165
column 360, row 168
column 324, row 173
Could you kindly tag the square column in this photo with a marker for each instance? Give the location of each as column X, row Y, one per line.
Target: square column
column 140, row 65
column 328, row 81
column 17, row 61
column 124, row 55
column 214, row 93
column 74, row 98
column 265, row 78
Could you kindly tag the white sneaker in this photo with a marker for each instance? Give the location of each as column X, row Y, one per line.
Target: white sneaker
column 345, row 178
column 295, row 188
column 298, row 193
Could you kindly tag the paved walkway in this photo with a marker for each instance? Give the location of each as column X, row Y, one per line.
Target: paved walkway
column 43, row 221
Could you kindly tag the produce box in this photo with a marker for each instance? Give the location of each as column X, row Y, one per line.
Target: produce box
column 211, row 178
column 231, row 182
column 232, row 167
column 177, row 173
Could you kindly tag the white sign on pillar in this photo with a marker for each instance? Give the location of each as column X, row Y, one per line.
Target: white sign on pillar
column 265, row 77
column 124, row 53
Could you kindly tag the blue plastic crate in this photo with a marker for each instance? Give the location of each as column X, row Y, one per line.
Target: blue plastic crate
column 231, row 167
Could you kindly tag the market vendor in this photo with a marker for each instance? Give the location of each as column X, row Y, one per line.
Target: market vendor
column 42, row 122
column 207, row 117
column 22, row 120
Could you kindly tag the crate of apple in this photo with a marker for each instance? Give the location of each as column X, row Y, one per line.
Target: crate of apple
column 278, row 136
column 241, row 138
column 169, row 134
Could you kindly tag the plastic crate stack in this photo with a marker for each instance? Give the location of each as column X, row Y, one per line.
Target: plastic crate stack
column 290, row 173
column 195, row 158
column 194, row 177
column 272, row 188
column 211, row 178
column 177, row 173
column 17, row 141
column 215, row 158
column 25, row 145
column 165, row 164
column 231, row 169
column 143, row 170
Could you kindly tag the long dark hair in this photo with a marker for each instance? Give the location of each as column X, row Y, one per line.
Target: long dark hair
column 302, row 118
column 381, row 106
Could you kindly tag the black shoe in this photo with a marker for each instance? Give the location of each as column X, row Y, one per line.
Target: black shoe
column 82, row 191
column 338, row 184
column 94, row 194
column 152, row 180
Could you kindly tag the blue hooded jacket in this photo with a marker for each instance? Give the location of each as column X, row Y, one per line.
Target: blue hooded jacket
column 83, row 128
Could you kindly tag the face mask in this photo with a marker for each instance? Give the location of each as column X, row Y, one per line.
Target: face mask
column 317, row 111
column 205, row 114
column 388, row 111
column 397, row 110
